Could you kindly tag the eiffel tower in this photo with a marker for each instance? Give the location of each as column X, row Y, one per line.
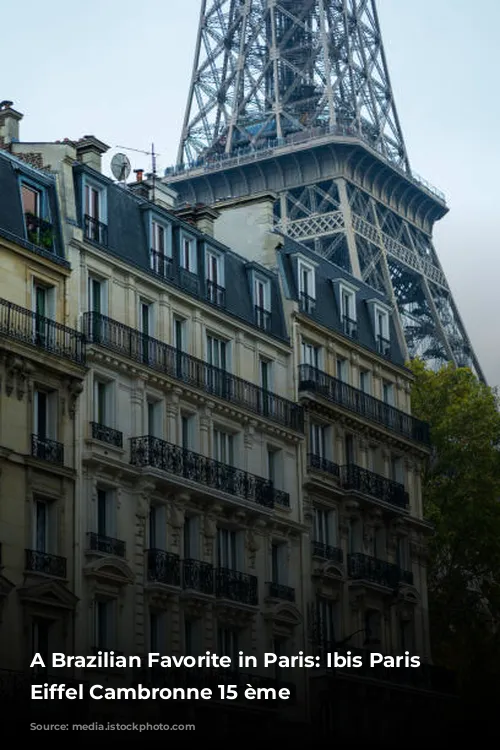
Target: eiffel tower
column 293, row 97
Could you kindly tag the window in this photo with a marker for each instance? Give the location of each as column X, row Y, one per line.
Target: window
column 154, row 418
column 44, row 415
column 402, row 556
column 105, row 513
column 355, row 536
column 265, row 373
column 97, row 296
column 93, row 202
column 94, row 214
column 279, row 564
column 217, row 351
column 262, row 303
column 40, row 641
column 348, row 311
column 382, row 332
column 223, row 447
column 365, row 381
column 317, row 434
column 342, row 370
column 328, row 617
column 397, row 474
column 274, row 466
column 191, row 537
column 104, row 624
column 214, row 271
column 388, row 393
column 146, row 329
column 310, row 354
column 192, row 639
column 280, row 648
column 187, row 431
column 44, row 309
column 188, row 254
column 103, row 405
column 180, row 334
column 157, row 526
column 227, row 644
column 349, row 449
column 228, row 549
column 379, row 544
column 325, row 527
column 373, row 629
column 157, row 627
column 407, row 635
column 161, row 249
column 32, row 200
column 43, row 537
column 307, row 287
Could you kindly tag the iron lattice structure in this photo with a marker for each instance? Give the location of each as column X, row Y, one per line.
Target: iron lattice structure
column 294, row 96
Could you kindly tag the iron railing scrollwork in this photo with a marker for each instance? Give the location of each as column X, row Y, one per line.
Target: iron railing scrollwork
column 36, row 330
column 107, row 434
column 95, row 231
column 42, row 562
column 236, row 586
column 198, row 576
column 215, row 294
column 368, row 568
column 161, row 264
column 158, row 454
column 369, row 483
column 47, row 450
column 371, row 408
column 106, row 544
column 131, row 343
column 279, row 591
column 322, row 464
column 327, row 552
column 164, row 567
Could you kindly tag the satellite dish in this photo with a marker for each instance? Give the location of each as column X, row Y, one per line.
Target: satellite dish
column 120, row 166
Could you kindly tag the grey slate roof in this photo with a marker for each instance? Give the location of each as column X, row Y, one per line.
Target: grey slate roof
column 326, row 309
column 12, row 223
column 127, row 223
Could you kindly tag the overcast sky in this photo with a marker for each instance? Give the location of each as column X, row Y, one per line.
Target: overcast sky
column 120, row 70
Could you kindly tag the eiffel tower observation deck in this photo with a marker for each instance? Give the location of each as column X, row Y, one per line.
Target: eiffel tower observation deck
column 293, row 98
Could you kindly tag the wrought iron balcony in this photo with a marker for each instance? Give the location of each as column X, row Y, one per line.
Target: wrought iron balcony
column 366, row 406
column 327, row 552
column 164, row 567
column 39, row 232
column 198, row 576
column 47, row 450
column 350, row 327
column 106, row 544
column 368, row 483
column 28, row 327
column 215, row 294
column 158, row 454
column 383, row 346
column 281, row 498
column 236, row 586
column 189, row 281
column 322, row 464
column 279, row 591
column 95, row 231
column 367, row 568
column 42, row 562
column 107, row 434
column 307, row 303
column 262, row 318
column 130, row 343
column 161, row 264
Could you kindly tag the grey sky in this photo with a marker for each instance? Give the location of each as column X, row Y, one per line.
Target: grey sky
column 120, row 70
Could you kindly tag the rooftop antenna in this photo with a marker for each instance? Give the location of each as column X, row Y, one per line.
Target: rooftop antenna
column 153, row 156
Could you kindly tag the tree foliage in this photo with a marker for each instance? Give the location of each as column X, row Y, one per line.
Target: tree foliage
column 461, row 492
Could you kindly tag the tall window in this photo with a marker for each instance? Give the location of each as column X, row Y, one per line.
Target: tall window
column 307, row 287
column 217, row 352
column 228, row 549
column 105, row 513
column 388, row 393
column 188, row 254
column 41, row 530
column 187, row 431
column 40, row 641
column 31, row 199
column 93, row 202
column 279, row 559
column 262, row 303
column 317, row 435
column 342, row 370
column 153, row 418
column 191, row 537
column 104, row 626
column 325, row 527
column 328, row 618
column 158, row 237
column 44, row 414
column 102, row 403
column 310, row 354
column 223, row 447
column 364, row 381
column 227, row 644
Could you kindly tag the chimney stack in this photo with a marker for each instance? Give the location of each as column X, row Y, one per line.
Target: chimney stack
column 9, row 123
column 201, row 216
column 139, row 173
column 89, row 150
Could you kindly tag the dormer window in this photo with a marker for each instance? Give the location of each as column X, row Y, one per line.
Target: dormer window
column 94, row 213
column 262, row 302
column 345, row 294
column 307, row 287
column 381, row 326
column 188, row 253
column 214, row 276
column 161, row 248
column 38, row 231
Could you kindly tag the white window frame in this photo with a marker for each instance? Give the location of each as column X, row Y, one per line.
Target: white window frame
column 50, row 298
column 153, row 409
column 310, row 270
column 311, row 354
column 223, row 446
column 388, row 387
column 103, row 283
column 210, row 254
column 151, row 316
column 342, row 371
column 325, row 526
column 187, row 240
column 367, row 386
column 281, row 563
column 328, row 612
column 227, row 643
column 191, row 430
column 110, row 625
column 110, row 512
column 49, row 540
column 109, row 405
column 317, row 439
column 229, row 549
column 155, row 224
column 214, row 344
column 266, row 287
column 89, row 183
column 51, row 415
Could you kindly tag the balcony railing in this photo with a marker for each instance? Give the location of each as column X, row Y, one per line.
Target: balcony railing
column 161, row 264
column 106, row 544
column 350, row 327
column 47, row 450
column 189, row 281
column 112, row 335
column 95, row 231
column 279, row 591
column 107, row 434
column 327, row 552
column 39, row 232
column 334, row 390
column 215, row 294
column 262, row 318
column 36, row 330
column 198, row 576
column 236, row 586
column 367, row 482
column 42, row 562
column 367, row 568
column 281, row 498
column 164, row 567
column 383, row 346
column 322, row 464
column 158, row 454
column 307, row 303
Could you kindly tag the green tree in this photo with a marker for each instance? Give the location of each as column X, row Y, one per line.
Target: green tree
column 461, row 492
